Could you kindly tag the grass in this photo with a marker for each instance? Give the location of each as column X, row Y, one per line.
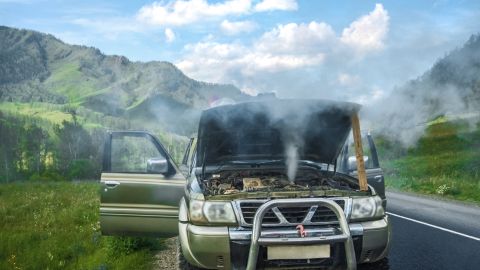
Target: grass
column 68, row 79
column 445, row 162
column 50, row 112
column 55, row 226
column 458, row 188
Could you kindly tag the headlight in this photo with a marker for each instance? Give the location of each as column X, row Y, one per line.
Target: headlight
column 211, row 212
column 367, row 208
column 221, row 212
column 196, row 211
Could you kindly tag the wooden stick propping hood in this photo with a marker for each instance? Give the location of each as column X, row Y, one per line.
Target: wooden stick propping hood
column 357, row 140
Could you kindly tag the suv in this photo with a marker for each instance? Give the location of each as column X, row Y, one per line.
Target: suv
column 264, row 185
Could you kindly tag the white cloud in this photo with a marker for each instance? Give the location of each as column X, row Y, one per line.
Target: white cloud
column 292, row 37
column 182, row 12
column 279, row 57
column 368, row 32
column 267, row 5
column 169, row 35
column 235, row 28
column 232, row 60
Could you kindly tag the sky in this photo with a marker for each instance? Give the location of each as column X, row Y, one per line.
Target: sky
column 348, row 50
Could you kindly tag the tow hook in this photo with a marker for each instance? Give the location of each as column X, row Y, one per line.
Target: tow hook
column 301, row 231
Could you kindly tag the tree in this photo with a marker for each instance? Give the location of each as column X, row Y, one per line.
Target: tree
column 34, row 148
column 74, row 143
column 10, row 155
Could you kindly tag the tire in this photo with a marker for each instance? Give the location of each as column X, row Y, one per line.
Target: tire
column 182, row 263
column 378, row 265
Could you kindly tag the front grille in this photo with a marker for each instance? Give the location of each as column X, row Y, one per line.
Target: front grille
column 292, row 215
column 249, row 209
column 324, row 214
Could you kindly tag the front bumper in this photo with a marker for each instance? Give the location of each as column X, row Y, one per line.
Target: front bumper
column 228, row 248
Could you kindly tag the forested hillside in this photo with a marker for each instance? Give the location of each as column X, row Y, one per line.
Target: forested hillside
column 57, row 100
column 37, row 67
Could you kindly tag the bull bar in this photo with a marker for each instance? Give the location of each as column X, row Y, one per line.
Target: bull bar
column 257, row 240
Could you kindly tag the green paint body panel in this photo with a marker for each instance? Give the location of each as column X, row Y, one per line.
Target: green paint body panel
column 141, row 204
column 208, row 244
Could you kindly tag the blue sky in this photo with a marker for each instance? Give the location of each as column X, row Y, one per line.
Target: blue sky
column 355, row 50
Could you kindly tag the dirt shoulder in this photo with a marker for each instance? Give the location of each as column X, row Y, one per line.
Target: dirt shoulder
column 167, row 258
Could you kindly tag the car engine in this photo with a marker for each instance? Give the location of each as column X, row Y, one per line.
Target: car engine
column 232, row 182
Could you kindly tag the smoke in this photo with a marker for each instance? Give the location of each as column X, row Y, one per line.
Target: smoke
column 293, row 138
column 451, row 88
column 405, row 114
column 290, row 130
column 292, row 124
column 291, row 151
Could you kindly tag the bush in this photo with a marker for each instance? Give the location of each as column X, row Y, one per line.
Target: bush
column 119, row 246
column 81, row 169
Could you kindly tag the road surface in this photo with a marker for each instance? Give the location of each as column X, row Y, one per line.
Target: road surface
column 433, row 234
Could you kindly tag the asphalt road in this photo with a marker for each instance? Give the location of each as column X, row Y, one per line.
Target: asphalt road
column 433, row 234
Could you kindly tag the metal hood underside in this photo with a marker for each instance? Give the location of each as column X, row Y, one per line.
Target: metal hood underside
column 313, row 130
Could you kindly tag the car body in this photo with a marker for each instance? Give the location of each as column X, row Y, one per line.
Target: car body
column 264, row 185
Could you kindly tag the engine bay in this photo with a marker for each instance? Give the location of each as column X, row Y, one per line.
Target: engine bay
column 236, row 181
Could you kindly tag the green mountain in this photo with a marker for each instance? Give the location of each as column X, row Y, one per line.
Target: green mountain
column 37, row 67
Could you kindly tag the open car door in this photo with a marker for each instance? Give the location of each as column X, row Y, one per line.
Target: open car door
column 140, row 186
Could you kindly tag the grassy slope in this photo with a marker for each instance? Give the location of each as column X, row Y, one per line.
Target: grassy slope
column 446, row 162
column 67, row 80
column 55, row 226
column 50, row 112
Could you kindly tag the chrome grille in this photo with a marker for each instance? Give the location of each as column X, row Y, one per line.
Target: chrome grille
column 294, row 214
column 323, row 214
column 284, row 216
column 249, row 209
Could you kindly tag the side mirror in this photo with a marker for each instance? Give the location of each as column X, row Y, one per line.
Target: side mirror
column 157, row 165
column 352, row 163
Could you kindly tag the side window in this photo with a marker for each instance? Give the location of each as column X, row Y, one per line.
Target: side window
column 134, row 154
column 369, row 151
column 366, row 153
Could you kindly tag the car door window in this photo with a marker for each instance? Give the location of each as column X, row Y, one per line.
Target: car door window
column 367, row 152
column 130, row 154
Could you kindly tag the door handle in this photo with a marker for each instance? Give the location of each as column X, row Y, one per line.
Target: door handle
column 111, row 184
column 378, row 178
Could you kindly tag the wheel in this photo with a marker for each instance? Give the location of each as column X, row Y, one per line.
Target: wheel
column 182, row 263
column 378, row 265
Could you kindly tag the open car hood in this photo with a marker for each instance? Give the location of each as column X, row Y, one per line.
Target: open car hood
column 313, row 130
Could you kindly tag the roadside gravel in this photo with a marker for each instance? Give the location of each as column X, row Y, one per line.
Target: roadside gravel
column 167, row 258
